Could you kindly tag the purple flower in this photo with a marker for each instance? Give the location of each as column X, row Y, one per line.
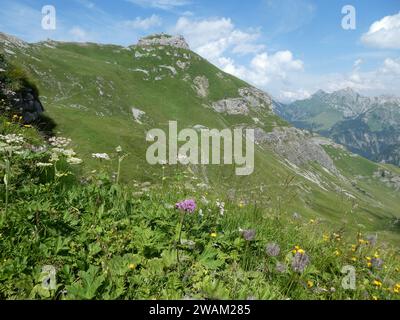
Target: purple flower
column 280, row 267
column 249, row 235
column 188, row 205
column 273, row 249
column 300, row 262
column 377, row 263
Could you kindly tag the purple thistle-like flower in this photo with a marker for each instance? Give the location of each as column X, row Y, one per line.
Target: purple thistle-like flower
column 249, row 235
column 273, row 249
column 377, row 263
column 300, row 262
column 188, row 205
column 280, row 267
column 372, row 239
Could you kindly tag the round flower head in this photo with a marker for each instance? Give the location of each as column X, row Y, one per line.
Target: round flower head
column 376, row 263
column 280, row 267
column 249, row 235
column 273, row 249
column 188, row 205
column 300, row 262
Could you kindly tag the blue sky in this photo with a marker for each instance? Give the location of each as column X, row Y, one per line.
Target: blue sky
column 290, row 48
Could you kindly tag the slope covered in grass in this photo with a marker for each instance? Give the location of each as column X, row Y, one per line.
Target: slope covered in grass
column 94, row 92
column 88, row 237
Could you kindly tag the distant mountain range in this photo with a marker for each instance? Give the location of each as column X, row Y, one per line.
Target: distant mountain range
column 369, row 126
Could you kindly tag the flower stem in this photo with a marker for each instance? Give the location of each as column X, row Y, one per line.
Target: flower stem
column 182, row 220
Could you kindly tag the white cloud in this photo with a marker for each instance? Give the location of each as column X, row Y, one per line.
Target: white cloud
column 78, row 34
column 213, row 37
column 160, row 4
column 218, row 40
column 144, row 24
column 289, row 96
column 391, row 66
column 384, row 33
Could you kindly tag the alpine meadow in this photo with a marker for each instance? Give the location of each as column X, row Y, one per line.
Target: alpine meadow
column 149, row 172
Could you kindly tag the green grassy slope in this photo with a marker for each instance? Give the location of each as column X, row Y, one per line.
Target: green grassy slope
column 90, row 89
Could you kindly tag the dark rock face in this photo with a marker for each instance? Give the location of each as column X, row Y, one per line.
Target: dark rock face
column 24, row 102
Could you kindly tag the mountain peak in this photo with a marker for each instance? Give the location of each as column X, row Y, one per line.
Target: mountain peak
column 319, row 93
column 162, row 39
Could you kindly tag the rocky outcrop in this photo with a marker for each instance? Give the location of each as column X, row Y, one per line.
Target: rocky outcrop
column 250, row 99
column 297, row 146
column 201, row 85
column 164, row 40
column 389, row 178
column 23, row 101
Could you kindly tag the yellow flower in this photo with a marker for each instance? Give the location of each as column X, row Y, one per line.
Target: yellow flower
column 377, row 283
column 354, row 248
column 354, row 259
column 241, row 204
column 325, row 237
column 375, row 298
column 310, row 284
column 297, row 249
column 362, row 241
column 396, row 288
column 376, row 255
column 27, row 126
column 337, row 253
column 213, row 235
column 312, row 221
column 132, row 266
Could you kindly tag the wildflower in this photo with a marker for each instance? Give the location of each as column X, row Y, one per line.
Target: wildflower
column 27, row 126
column 296, row 216
column 118, row 149
column 101, row 156
column 396, row 288
column 273, row 249
column 300, row 262
column 362, row 241
column 42, row 164
column 337, row 237
column 353, row 248
column 73, row 160
column 377, row 283
column 280, row 267
column 310, row 284
column 297, row 249
column 241, row 204
column 59, row 142
column 213, row 235
column 371, row 239
column 375, row 298
column 221, row 207
column 325, row 238
column 376, row 263
column 12, row 138
column 132, row 266
column 249, row 235
column 354, row 259
column 312, row 221
column 188, row 205
column 337, row 253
